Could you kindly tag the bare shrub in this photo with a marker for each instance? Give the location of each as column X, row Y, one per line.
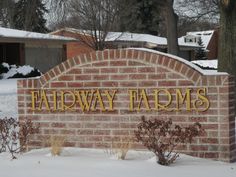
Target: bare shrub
column 162, row 137
column 56, row 144
column 121, row 148
column 14, row 135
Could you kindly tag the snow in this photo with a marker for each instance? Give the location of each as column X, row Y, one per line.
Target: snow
column 125, row 36
column 76, row 162
column 205, row 36
column 156, row 40
column 132, row 37
column 207, row 63
column 13, row 33
column 6, row 65
column 8, row 98
column 13, row 69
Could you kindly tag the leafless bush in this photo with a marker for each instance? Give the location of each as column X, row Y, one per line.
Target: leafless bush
column 162, row 137
column 14, row 135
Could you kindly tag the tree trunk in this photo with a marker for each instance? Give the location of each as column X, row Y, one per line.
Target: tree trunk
column 171, row 23
column 227, row 38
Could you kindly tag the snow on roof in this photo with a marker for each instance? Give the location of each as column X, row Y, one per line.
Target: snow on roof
column 156, row 40
column 73, row 30
column 205, row 36
column 125, row 36
column 13, row 33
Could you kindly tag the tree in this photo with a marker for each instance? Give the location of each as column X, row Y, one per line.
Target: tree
column 227, row 38
column 200, row 52
column 96, row 18
column 171, row 20
column 7, row 13
column 140, row 16
column 198, row 10
column 29, row 15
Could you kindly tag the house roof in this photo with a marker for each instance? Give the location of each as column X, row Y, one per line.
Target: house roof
column 126, row 36
column 72, row 30
column 205, row 36
column 150, row 39
column 20, row 34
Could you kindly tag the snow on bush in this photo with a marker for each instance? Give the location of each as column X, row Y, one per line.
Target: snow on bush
column 12, row 71
column 4, row 67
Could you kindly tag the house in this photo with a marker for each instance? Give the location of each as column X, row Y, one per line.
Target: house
column 42, row 51
column 209, row 39
column 125, row 39
column 188, row 44
column 78, row 47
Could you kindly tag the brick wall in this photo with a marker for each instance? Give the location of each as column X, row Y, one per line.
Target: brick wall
column 131, row 69
column 75, row 48
column 213, row 46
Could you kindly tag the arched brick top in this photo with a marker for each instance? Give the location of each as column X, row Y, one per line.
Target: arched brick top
column 146, row 57
column 171, row 63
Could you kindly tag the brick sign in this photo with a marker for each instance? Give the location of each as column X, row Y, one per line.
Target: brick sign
column 97, row 98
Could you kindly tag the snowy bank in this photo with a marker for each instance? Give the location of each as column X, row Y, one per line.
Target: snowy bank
column 77, row 162
column 8, row 98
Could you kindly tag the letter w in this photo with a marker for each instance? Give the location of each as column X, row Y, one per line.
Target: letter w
column 83, row 98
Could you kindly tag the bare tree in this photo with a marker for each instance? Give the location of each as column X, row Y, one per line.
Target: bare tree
column 96, row 18
column 198, row 10
column 7, row 13
column 58, row 11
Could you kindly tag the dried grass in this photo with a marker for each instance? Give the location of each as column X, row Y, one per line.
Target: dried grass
column 120, row 149
column 56, row 144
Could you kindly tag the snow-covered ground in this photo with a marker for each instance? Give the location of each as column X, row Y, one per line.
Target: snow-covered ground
column 76, row 162
column 8, row 98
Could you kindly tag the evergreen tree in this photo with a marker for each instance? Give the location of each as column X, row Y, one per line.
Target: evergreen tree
column 200, row 52
column 29, row 15
column 142, row 17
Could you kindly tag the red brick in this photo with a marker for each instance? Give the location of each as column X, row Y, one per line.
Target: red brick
column 58, row 84
column 137, row 77
column 58, row 125
column 119, row 77
column 90, row 70
column 166, row 83
column 127, row 70
column 91, row 84
column 102, row 63
column 83, row 77
column 109, row 70
column 118, row 63
column 66, row 78
column 109, row 84
column 75, row 84
column 146, row 70
column 128, row 84
column 100, row 77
